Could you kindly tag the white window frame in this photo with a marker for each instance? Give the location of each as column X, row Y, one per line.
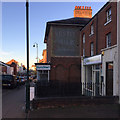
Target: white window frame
column 83, row 52
column 108, row 15
column 91, row 29
column 108, row 40
column 84, row 38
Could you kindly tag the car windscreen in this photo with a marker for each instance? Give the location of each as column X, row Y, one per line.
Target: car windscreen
column 7, row 77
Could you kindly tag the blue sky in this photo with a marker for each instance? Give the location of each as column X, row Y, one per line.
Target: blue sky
column 14, row 26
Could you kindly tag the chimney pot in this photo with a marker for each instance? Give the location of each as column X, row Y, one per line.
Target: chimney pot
column 75, row 7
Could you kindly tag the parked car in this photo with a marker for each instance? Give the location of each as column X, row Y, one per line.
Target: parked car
column 34, row 77
column 18, row 81
column 22, row 80
column 9, row 81
column 25, row 78
column 30, row 78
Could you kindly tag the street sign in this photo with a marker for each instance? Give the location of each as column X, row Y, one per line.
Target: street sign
column 43, row 67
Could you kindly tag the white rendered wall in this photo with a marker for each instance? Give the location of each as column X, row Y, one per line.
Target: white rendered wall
column 10, row 70
column 110, row 55
column 118, row 43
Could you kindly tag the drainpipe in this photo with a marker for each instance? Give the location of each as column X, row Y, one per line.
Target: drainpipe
column 118, row 44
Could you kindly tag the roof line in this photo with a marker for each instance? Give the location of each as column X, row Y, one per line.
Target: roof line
column 65, row 24
column 2, row 63
column 96, row 14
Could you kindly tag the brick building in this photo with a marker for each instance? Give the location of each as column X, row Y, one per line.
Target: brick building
column 85, row 49
column 99, row 51
column 19, row 68
column 44, row 54
column 13, row 63
column 62, row 39
column 6, row 69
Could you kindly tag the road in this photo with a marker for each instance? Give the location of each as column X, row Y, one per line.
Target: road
column 13, row 102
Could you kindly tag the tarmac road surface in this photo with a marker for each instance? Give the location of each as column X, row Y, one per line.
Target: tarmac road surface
column 13, row 102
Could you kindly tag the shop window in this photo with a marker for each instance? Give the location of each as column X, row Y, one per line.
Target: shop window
column 92, row 49
column 40, row 71
column 46, row 71
column 108, row 39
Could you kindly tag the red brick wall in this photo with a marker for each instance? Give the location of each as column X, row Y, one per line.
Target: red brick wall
column 88, row 38
column 111, row 27
column 49, row 45
column 101, row 30
column 65, row 69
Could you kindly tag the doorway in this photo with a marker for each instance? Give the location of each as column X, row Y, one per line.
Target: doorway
column 109, row 79
column 97, row 80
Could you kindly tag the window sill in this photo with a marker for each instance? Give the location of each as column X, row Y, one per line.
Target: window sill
column 91, row 34
column 107, row 22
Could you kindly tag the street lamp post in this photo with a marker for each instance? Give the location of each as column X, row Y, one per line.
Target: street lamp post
column 27, row 37
column 36, row 45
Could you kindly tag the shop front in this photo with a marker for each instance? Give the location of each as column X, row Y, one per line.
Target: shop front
column 92, row 81
column 43, row 71
column 110, row 71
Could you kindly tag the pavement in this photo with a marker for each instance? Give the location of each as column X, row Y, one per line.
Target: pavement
column 81, row 111
column 14, row 108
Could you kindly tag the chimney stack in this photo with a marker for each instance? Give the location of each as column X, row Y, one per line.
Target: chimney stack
column 83, row 12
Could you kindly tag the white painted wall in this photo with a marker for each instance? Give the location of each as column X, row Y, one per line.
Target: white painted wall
column 110, row 55
column 10, row 70
column 82, row 72
column 118, row 43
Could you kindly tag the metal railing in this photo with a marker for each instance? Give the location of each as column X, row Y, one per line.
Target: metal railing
column 93, row 89
column 58, row 88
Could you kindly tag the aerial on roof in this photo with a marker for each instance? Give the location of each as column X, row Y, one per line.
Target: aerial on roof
column 76, row 21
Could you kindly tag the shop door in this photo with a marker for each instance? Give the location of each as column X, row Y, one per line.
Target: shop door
column 109, row 79
column 96, row 71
